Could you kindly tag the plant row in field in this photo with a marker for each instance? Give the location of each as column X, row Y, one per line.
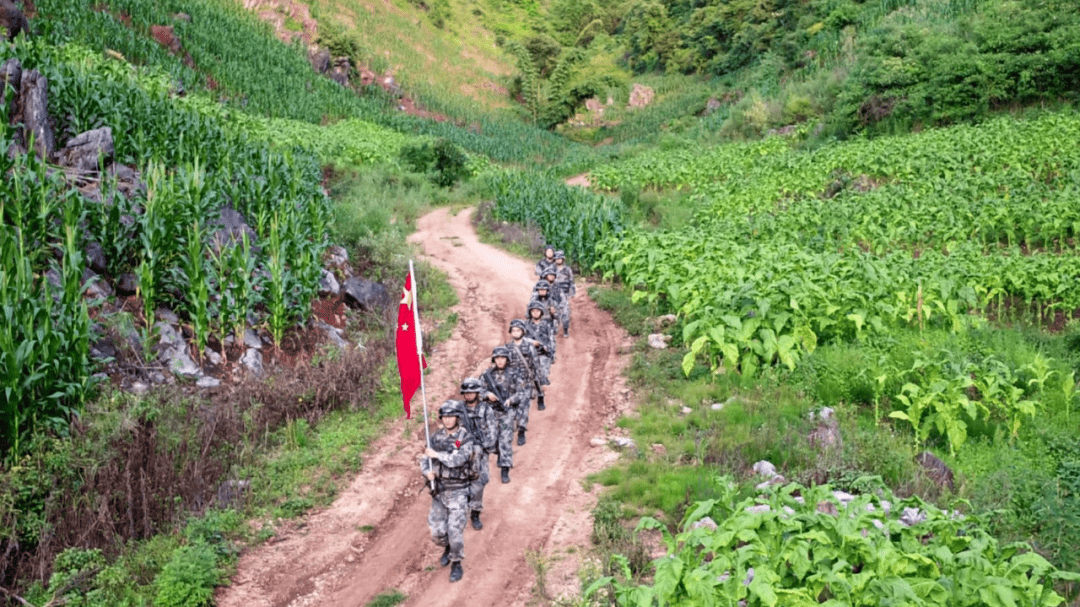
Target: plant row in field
column 805, row 546
column 194, row 167
column 573, row 217
column 1006, row 181
column 253, row 72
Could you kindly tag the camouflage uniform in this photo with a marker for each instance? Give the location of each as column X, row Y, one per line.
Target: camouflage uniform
column 545, row 261
column 450, row 501
column 558, row 299
column 487, row 426
column 542, row 331
column 564, row 284
column 505, row 386
column 524, row 360
column 550, row 307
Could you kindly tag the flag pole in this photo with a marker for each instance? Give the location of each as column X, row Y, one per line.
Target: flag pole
column 419, row 349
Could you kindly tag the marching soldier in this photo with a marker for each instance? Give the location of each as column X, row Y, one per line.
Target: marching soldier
column 524, row 355
column 504, row 393
column 485, row 427
column 564, row 283
column 449, row 466
column 542, row 293
column 541, row 329
column 547, row 260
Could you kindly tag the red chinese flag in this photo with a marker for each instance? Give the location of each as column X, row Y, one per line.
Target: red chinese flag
column 408, row 345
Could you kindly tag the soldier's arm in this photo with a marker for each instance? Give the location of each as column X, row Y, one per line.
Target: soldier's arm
column 457, row 457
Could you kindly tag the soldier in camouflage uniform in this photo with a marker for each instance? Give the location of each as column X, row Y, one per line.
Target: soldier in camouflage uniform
column 547, row 260
column 504, row 393
column 449, row 465
column 542, row 293
column 485, row 428
column 541, row 330
column 564, row 283
column 556, row 296
column 524, row 360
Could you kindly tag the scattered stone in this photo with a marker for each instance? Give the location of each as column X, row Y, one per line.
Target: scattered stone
column 127, row 284
column 180, row 362
column 252, row 339
column 705, row 523
column 139, row 388
column 231, row 228
column 34, row 114
column 96, row 288
column 328, row 285
column 166, row 315
column 912, row 516
column 597, row 441
column 658, row 448
column 182, row 17
column 774, row 480
column 336, row 257
column 843, row 497
column 207, row 381
column 168, row 336
column 765, row 468
column 365, row 294
column 212, row 356
column 658, row 341
column 103, row 349
column 95, row 257
column 253, row 361
column 827, row 507
column 158, row 377
column 666, row 320
column 319, row 59
column 625, row 443
column 334, row 334
column 712, row 105
column 84, row 151
column 749, row 576
column 341, row 70
column 937, row 470
column 717, row 406
column 686, row 410
column 758, row 509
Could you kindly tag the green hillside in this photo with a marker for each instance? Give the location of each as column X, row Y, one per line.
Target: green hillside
column 865, row 206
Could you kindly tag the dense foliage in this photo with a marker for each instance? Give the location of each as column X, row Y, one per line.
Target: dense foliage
column 803, row 546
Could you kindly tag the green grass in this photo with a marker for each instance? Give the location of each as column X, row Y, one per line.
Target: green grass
column 388, row 599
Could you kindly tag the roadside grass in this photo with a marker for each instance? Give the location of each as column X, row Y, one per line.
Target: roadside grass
column 691, row 430
column 523, row 241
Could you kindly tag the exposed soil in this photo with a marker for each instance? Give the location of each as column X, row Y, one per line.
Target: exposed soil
column 579, row 180
column 374, row 537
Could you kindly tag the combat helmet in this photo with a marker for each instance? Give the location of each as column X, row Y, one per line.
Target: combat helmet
column 452, row 408
column 471, row 384
column 542, row 284
column 535, row 304
column 517, row 322
column 502, row 351
column 559, row 255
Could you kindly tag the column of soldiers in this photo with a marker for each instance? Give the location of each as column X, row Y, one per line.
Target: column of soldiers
column 494, row 408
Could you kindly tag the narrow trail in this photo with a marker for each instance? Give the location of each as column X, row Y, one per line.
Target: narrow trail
column 374, row 537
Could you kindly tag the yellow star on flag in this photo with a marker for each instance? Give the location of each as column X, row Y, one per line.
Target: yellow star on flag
column 405, row 327
column 406, row 299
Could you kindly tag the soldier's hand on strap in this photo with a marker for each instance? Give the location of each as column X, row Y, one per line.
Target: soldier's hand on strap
column 491, row 396
column 431, row 452
column 430, row 476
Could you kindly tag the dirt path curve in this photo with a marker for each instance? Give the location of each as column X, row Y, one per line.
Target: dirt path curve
column 374, row 537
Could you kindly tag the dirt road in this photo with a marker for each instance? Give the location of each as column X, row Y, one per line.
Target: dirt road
column 374, row 537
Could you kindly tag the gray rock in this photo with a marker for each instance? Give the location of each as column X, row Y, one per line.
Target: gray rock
column 180, row 362
column 127, row 284
column 84, row 151
column 158, row 377
column 765, row 468
column 328, row 285
column 758, row 509
column 717, row 406
column 365, row 294
column 139, row 388
column 53, row 278
column 912, row 516
column 166, row 315
column 103, row 349
column 208, row 382
column 336, row 258
column 10, row 75
column 96, row 287
column 341, row 70
column 625, row 443
column 182, row 17
column 666, row 320
column 34, row 114
column 686, row 410
column 231, row 227
column 659, row 341
column 253, row 361
column 213, row 357
column 168, row 336
column 320, row 60
column 706, row 523
column 749, row 576
column 937, row 470
column 776, row 479
column 95, row 257
column 252, row 339
column 843, row 497
column 334, row 334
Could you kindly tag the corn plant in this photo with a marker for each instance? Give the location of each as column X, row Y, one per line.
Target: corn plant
column 277, row 285
column 196, row 278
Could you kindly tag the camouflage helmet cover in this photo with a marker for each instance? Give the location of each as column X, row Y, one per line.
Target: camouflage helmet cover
column 471, row 384
column 520, row 324
column 541, row 284
column 535, row 304
column 452, row 408
column 560, row 255
column 502, row 351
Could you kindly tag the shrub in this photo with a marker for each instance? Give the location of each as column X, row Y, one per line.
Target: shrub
column 189, row 578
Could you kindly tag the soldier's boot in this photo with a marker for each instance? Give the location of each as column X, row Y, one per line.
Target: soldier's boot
column 456, row 572
column 566, row 329
column 540, row 403
column 444, row 560
column 506, row 474
column 521, row 436
column 476, row 524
